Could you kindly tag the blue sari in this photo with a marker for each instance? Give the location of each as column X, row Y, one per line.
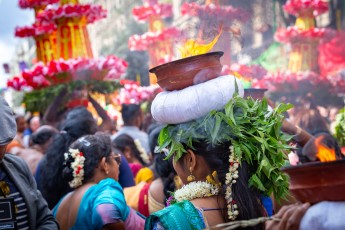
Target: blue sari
column 102, row 204
column 179, row 216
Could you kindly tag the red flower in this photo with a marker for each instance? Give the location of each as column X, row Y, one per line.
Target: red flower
column 301, row 7
column 34, row 3
column 91, row 12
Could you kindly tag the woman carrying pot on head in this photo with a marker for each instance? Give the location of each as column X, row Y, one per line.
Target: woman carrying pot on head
column 97, row 202
column 227, row 151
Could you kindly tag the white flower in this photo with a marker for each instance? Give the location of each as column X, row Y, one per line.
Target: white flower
column 196, row 189
column 230, row 180
column 78, row 167
column 143, row 154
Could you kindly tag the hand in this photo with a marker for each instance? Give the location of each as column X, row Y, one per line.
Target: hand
column 290, row 215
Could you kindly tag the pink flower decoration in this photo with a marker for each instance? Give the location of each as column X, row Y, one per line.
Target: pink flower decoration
column 35, row 3
column 142, row 42
column 35, row 30
column 300, row 7
column 143, row 13
column 62, row 71
column 293, row 34
column 224, row 14
column 91, row 12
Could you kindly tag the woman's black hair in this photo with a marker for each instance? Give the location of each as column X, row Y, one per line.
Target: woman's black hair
column 123, row 141
column 94, row 148
column 162, row 168
column 43, row 135
column 247, row 198
column 52, row 185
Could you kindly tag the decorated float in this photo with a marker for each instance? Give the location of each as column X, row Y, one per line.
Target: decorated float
column 64, row 55
column 303, row 78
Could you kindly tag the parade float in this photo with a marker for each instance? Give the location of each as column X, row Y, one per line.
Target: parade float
column 64, row 55
column 159, row 39
column 302, row 80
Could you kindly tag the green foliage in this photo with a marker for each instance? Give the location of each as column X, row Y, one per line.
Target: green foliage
column 254, row 132
column 340, row 127
column 39, row 100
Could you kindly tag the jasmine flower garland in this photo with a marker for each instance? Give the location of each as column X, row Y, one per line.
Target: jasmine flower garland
column 77, row 165
column 195, row 189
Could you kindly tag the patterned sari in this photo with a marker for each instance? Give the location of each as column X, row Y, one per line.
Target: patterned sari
column 179, row 216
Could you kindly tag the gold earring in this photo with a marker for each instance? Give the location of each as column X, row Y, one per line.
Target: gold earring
column 191, row 177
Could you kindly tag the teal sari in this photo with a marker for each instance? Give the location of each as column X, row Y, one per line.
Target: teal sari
column 179, row 216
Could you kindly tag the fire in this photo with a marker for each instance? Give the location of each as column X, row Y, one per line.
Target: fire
column 192, row 47
column 324, row 153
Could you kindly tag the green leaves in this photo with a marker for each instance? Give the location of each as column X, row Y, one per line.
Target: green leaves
column 254, row 132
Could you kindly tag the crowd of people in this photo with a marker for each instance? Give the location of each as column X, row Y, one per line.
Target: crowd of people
column 65, row 171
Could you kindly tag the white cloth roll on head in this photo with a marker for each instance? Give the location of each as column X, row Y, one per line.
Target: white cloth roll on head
column 195, row 101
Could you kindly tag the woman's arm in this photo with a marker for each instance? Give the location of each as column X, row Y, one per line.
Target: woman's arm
column 106, row 120
column 51, row 115
column 300, row 136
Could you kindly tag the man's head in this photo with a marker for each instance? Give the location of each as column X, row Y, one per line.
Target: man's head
column 21, row 123
column 132, row 115
column 34, row 123
column 8, row 126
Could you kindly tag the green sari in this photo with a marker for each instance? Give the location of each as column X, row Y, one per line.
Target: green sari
column 179, row 216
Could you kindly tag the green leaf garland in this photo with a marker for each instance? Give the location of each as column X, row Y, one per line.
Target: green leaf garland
column 254, row 132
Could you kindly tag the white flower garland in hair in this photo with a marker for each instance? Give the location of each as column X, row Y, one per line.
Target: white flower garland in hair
column 143, row 155
column 196, row 189
column 78, row 167
column 230, row 179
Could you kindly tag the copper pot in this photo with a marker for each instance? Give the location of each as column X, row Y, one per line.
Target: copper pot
column 189, row 71
column 317, row 181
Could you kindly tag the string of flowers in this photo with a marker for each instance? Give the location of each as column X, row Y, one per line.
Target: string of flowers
column 231, row 178
column 77, row 166
column 193, row 190
column 143, row 154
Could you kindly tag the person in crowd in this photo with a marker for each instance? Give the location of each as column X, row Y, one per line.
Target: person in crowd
column 136, row 156
column 57, row 111
column 311, row 121
column 132, row 117
column 18, row 139
column 41, row 139
column 97, row 202
column 34, row 124
column 146, row 197
column 78, row 122
column 27, row 209
column 126, row 178
column 221, row 158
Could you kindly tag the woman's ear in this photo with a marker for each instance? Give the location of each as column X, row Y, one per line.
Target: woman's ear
column 190, row 160
column 104, row 166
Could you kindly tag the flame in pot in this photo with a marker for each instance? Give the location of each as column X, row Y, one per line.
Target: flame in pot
column 192, row 47
column 324, row 153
